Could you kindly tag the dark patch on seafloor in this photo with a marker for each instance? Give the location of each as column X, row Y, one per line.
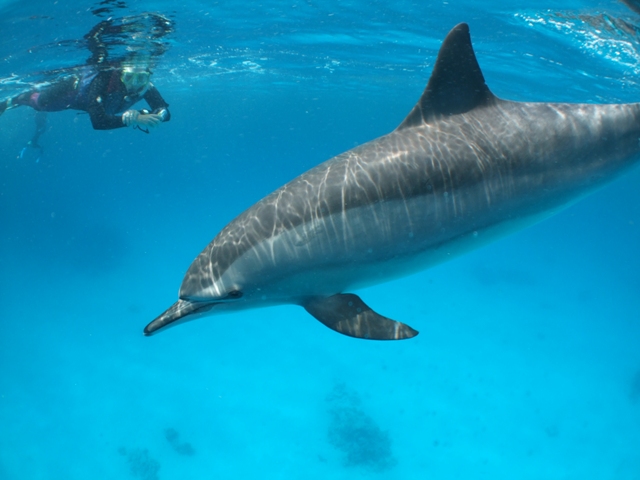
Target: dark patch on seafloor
column 355, row 433
column 140, row 463
column 173, row 437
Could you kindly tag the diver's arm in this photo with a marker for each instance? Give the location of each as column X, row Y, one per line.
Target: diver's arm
column 100, row 119
column 157, row 103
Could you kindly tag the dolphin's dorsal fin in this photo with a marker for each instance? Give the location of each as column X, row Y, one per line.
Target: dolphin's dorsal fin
column 456, row 85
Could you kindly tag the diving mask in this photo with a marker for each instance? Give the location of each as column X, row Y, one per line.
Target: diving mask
column 136, row 80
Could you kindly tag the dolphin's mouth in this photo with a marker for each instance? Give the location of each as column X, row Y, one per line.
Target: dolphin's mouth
column 176, row 314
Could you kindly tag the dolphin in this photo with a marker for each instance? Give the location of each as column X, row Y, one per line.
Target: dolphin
column 462, row 169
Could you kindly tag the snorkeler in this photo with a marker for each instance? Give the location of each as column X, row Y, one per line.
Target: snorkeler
column 107, row 95
column 106, row 87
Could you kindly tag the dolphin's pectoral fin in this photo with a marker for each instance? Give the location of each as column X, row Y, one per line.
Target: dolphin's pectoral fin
column 348, row 314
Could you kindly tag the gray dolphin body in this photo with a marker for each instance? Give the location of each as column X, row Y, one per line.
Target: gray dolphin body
column 462, row 169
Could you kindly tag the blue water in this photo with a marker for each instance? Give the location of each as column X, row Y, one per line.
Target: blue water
column 527, row 365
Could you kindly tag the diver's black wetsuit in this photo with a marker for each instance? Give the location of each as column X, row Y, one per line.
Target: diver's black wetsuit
column 100, row 93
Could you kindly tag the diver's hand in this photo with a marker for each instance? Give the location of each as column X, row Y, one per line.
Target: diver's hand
column 133, row 118
column 149, row 120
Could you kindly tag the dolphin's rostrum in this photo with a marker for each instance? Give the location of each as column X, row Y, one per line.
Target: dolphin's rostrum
column 462, row 169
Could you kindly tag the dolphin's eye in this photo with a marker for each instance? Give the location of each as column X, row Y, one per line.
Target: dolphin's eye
column 233, row 294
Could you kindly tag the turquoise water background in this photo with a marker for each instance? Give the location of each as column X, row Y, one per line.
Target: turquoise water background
column 527, row 365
